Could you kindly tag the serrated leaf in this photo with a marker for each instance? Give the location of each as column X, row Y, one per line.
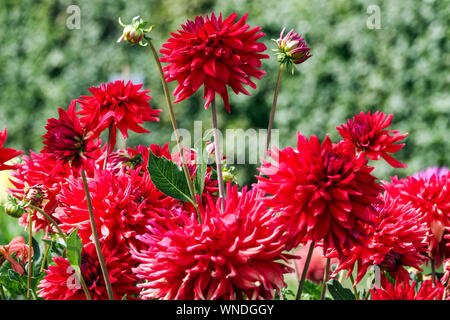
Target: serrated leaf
column 312, row 290
column 338, row 292
column 74, row 247
column 169, row 178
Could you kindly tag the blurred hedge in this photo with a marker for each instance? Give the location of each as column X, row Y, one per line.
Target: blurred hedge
column 402, row 68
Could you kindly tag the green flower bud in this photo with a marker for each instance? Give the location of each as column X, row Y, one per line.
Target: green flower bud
column 134, row 32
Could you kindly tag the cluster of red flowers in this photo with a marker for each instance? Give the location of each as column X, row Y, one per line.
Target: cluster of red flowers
column 158, row 247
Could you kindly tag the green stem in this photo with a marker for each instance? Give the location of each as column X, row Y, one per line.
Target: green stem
column 108, row 144
column 44, row 259
column 325, row 279
column 2, row 293
column 355, row 290
column 175, row 127
column 217, row 152
column 274, row 106
column 50, row 219
column 305, row 271
column 96, row 240
column 30, row 248
column 433, row 271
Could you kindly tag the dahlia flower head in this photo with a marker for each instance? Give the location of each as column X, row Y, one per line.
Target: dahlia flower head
column 403, row 290
column 215, row 53
column 123, row 203
column 7, row 154
column 321, row 192
column 396, row 241
column 232, row 254
column 431, row 197
column 117, row 105
column 61, row 282
column 367, row 133
column 67, row 140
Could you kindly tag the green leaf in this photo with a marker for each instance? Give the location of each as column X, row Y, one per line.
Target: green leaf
column 338, row 292
column 311, row 291
column 169, row 178
column 74, row 247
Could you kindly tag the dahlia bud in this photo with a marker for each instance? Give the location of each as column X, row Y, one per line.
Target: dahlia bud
column 35, row 195
column 292, row 49
column 228, row 174
column 13, row 208
column 134, row 32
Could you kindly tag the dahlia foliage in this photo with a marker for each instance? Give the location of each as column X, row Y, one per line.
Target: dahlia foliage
column 316, row 210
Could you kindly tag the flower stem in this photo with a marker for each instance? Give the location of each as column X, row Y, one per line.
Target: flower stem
column 305, row 271
column 175, row 127
column 355, row 291
column 108, row 144
column 433, row 271
column 50, row 219
column 2, row 293
column 325, row 279
column 96, row 240
column 44, row 259
column 274, row 106
column 30, row 248
column 218, row 152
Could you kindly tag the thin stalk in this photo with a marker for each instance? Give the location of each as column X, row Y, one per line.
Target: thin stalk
column 50, row 219
column 108, row 144
column 355, row 291
column 325, row 279
column 83, row 285
column 2, row 293
column 217, row 152
column 274, row 106
column 44, row 259
column 433, row 272
column 367, row 295
column 305, row 271
column 30, row 248
column 96, row 240
column 175, row 127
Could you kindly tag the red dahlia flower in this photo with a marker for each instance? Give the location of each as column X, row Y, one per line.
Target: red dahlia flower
column 39, row 169
column 397, row 240
column 61, row 283
column 123, row 202
column 7, row 154
column 323, row 192
column 366, row 133
column 431, row 197
column 230, row 255
column 405, row 291
column 214, row 53
column 66, row 140
column 120, row 106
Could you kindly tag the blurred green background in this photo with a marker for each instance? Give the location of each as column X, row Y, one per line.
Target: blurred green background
column 402, row 68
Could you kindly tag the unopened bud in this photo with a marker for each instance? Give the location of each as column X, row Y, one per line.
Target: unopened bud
column 13, row 208
column 35, row 195
column 134, row 32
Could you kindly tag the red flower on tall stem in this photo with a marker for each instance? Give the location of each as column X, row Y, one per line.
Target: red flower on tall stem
column 214, row 53
column 61, row 282
column 7, row 154
column 67, row 140
column 397, row 240
column 232, row 254
column 322, row 192
column 119, row 105
column 430, row 195
column 367, row 133
column 405, row 291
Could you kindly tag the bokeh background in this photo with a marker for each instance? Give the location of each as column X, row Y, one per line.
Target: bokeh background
column 402, row 68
